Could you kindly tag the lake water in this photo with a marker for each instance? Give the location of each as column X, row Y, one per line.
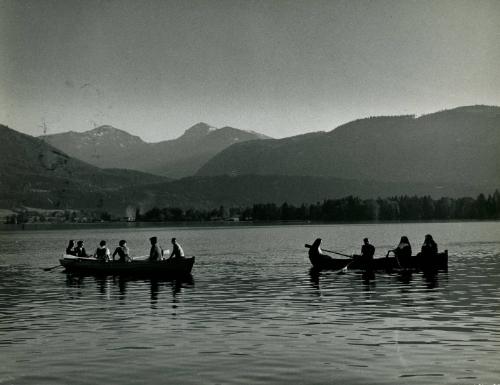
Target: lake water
column 252, row 312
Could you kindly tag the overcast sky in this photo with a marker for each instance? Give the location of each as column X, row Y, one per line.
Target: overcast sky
column 154, row 68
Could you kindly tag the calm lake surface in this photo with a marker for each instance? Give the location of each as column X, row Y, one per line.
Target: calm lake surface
column 252, row 312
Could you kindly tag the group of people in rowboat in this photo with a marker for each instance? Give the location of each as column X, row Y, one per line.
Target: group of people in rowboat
column 122, row 252
column 401, row 252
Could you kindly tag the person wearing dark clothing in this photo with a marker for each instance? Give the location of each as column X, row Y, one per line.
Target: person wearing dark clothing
column 123, row 252
column 429, row 247
column 315, row 249
column 102, row 252
column 403, row 250
column 315, row 252
column 367, row 250
column 70, row 249
column 176, row 249
column 80, row 250
column 155, row 253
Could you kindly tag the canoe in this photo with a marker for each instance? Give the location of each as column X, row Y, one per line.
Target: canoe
column 168, row 267
column 416, row 262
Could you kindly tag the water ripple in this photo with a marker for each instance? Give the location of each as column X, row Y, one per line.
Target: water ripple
column 252, row 316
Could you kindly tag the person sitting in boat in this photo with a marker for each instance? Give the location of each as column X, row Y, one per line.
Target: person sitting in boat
column 403, row 250
column 80, row 250
column 102, row 252
column 367, row 251
column 70, row 249
column 176, row 249
column 429, row 247
column 123, row 252
column 315, row 251
column 156, row 252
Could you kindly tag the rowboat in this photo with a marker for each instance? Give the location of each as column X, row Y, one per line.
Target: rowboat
column 168, row 267
column 357, row 262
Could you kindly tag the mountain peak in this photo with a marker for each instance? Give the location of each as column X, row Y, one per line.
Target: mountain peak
column 198, row 130
column 105, row 130
column 105, row 127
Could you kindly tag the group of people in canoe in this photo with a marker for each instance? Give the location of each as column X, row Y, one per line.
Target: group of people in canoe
column 401, row 252
column 122, row 252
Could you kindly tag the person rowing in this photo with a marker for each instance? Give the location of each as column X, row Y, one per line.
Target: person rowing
column 315, row 251
column 367, row 253
column 402, row 252
column 321, row 260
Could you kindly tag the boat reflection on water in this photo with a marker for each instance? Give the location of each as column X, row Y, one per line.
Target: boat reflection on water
column 106, row 285
column 434, row 278
column 314, row 275
column 431, row 278
column 403, row 276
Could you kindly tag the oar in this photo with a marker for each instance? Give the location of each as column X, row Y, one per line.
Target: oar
column 395, row 256
column 51, row 268
column 344, row 269
column 331, row 251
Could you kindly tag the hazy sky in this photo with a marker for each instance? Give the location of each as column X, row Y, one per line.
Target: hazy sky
column 154, row 68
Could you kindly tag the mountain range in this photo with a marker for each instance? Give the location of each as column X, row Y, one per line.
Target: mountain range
column 109, row 147
column 208, row 192
column 449, row 153
column 34, row 173
column 453, row 146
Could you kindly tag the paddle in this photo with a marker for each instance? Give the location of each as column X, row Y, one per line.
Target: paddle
column 395, row 256
column 331, row 251
column 344, row 269
column 51, row 268
column 65, row 256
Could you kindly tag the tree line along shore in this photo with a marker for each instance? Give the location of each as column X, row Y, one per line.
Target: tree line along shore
column 347, row 209
column 402, row 208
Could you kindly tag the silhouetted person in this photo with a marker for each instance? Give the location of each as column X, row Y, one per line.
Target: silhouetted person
column 70, row 249
column 367, row 250
column 177, row 249
column 315, row 249
column 429, row 247
column 316, row 255
column 123, row 252
column 155, row 253
column 403, row 250
column 102, row 252
column 80, row 250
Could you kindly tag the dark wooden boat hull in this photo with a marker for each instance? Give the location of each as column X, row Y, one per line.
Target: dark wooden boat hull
column 170, row 267
column 326, row 262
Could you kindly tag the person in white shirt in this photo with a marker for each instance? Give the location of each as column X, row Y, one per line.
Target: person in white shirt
column 177, row 250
